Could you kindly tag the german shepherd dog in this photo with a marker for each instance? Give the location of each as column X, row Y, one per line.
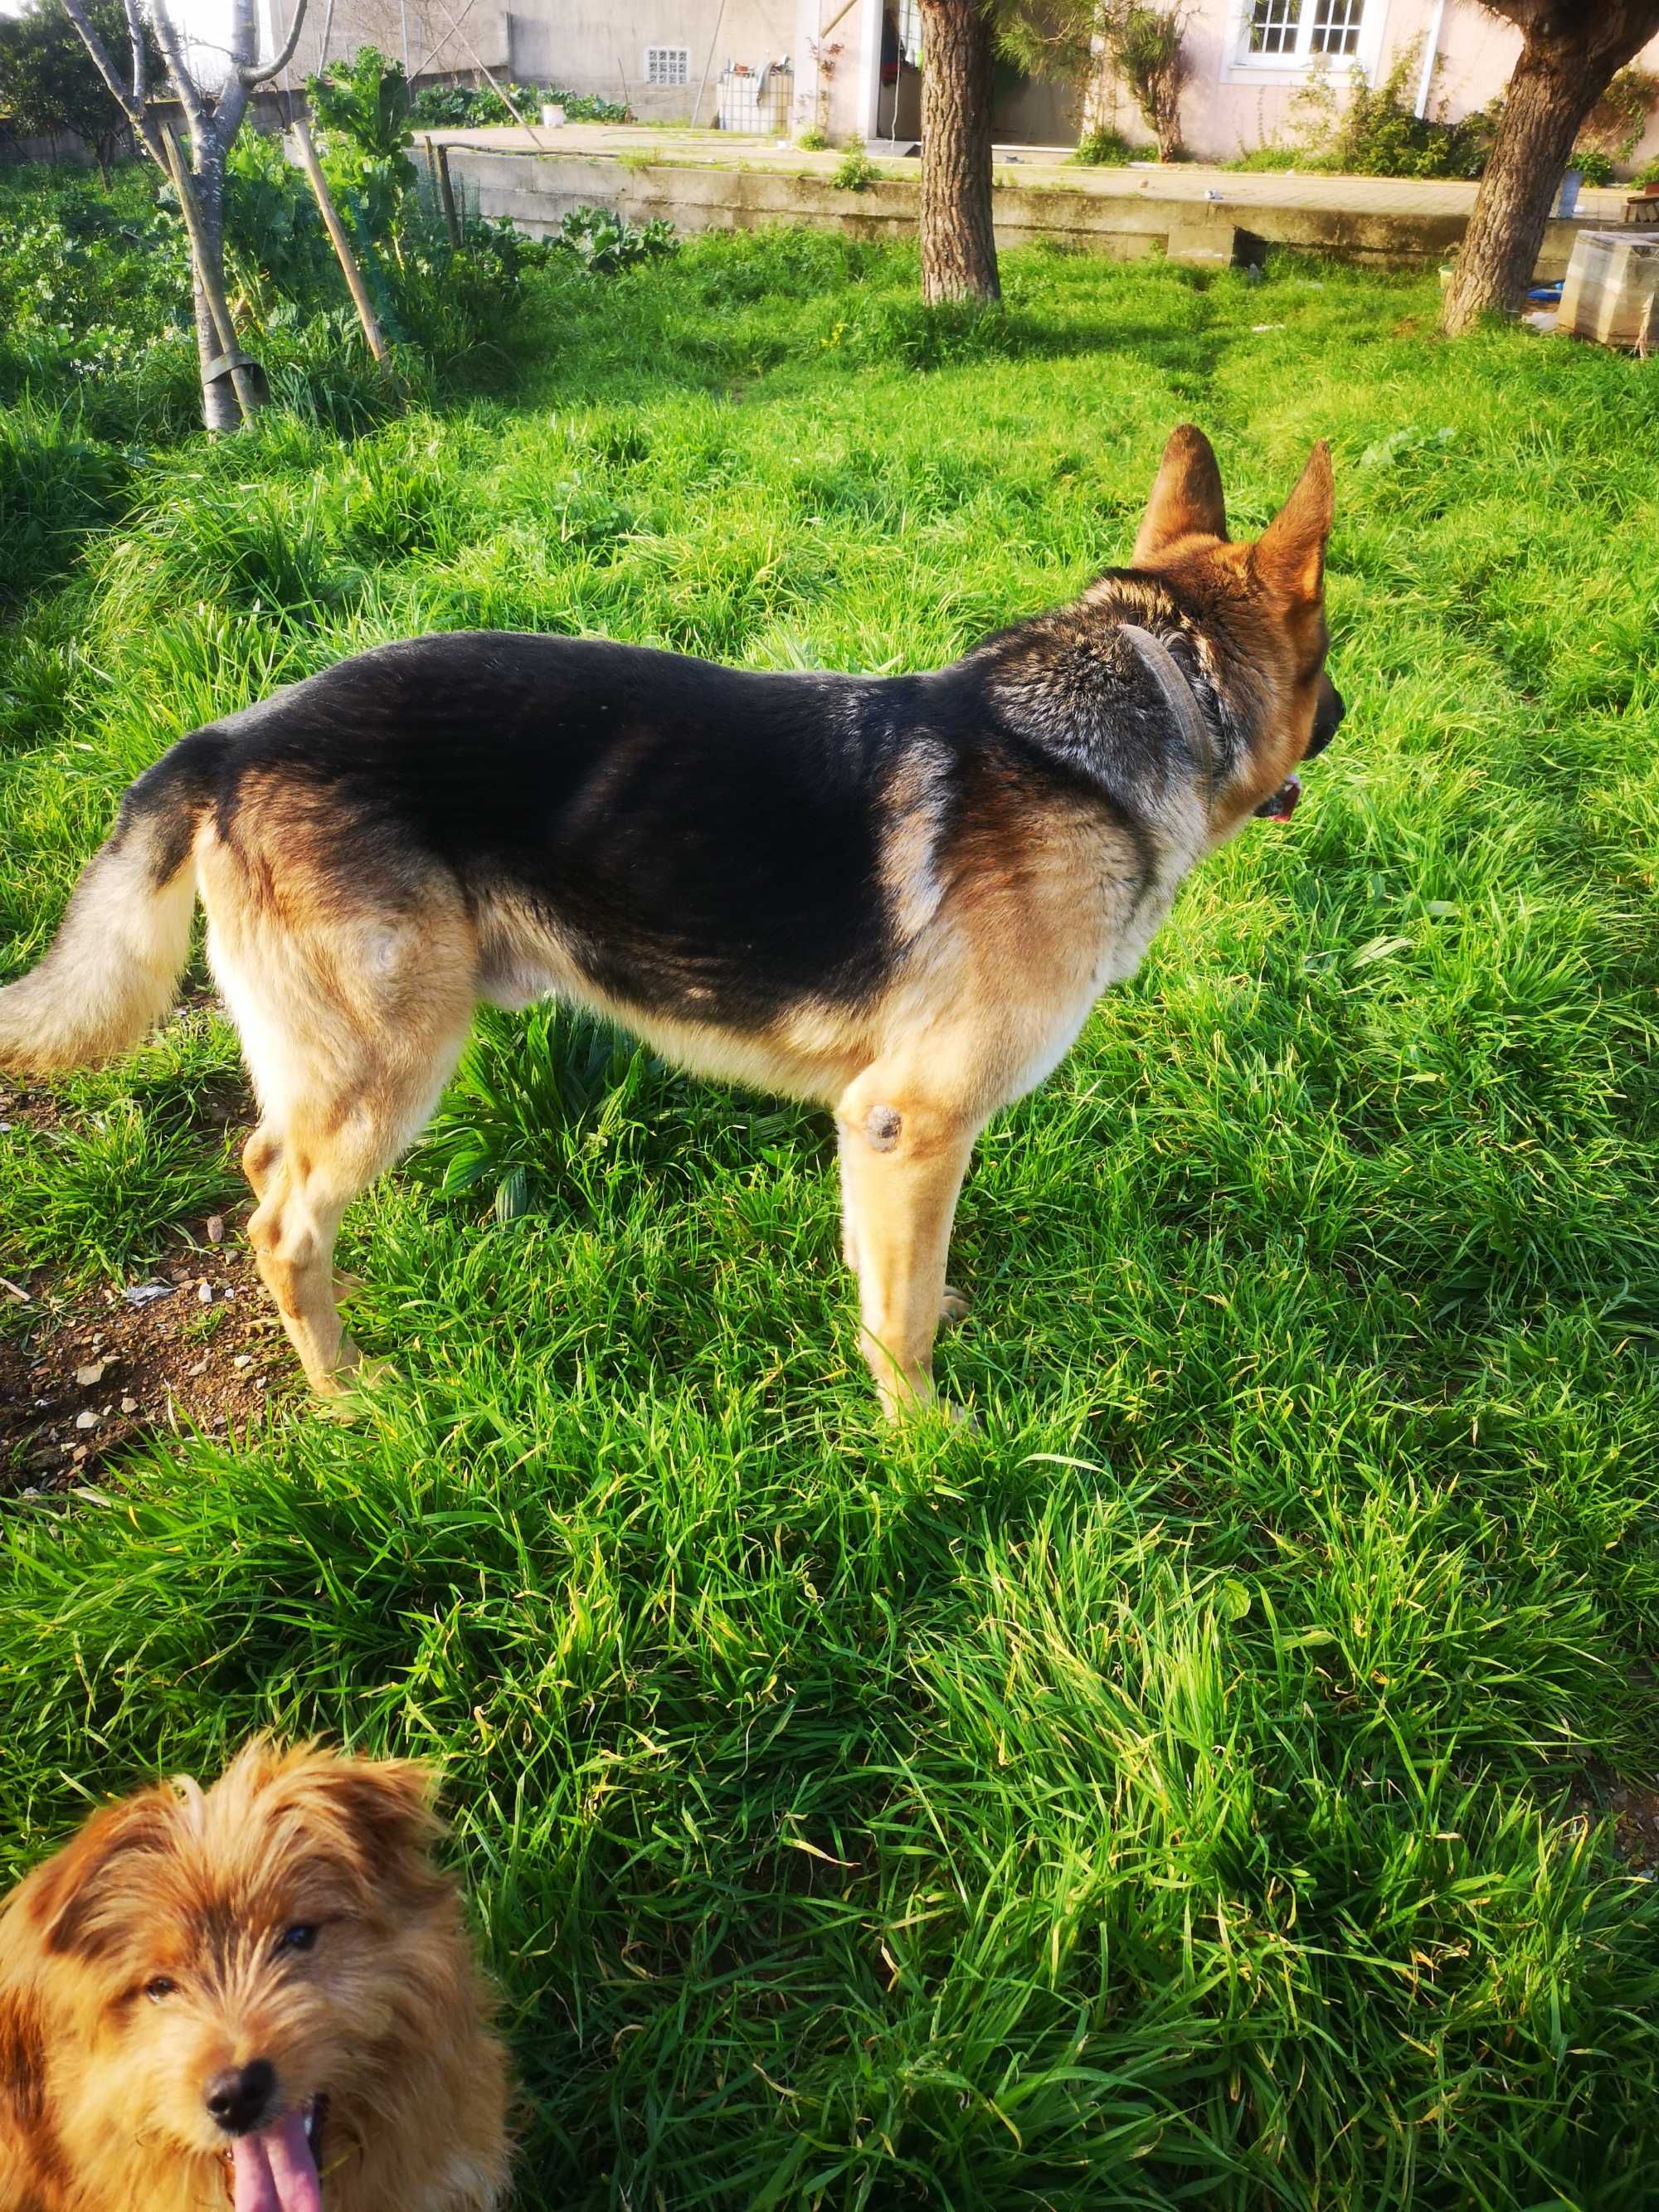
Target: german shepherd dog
column 899, row 896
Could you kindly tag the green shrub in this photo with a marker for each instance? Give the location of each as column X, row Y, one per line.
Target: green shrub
column 856, row 172
column 94, row 293
column 95, row 301
column 364, row 100
column 812, row 140
column 275, row 248
column 535, row 1100
column 1593, row 167
column 1104, row 148
column 1377, row 134
column 1146, row 47
column 477, row 107
column 605, row 242
column 1273, row 159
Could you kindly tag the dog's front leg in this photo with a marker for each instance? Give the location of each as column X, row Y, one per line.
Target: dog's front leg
column 902, row 1158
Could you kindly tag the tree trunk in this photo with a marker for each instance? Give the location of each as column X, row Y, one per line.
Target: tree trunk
column 221, row 410
column 226, row 399
column 1559, row 78
column 958, row 246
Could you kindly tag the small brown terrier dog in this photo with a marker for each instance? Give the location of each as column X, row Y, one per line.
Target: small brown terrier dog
column 259, row 1996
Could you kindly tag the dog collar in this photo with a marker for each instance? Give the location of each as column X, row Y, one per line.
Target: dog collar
column 1164, row 670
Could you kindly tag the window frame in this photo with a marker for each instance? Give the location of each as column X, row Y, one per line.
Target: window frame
column 1239, row 66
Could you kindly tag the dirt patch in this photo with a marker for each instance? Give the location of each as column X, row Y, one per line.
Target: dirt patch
column 1636, row 1824
column 193, row 1343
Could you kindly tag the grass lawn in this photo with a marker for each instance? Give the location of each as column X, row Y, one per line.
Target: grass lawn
column 1195, row 1786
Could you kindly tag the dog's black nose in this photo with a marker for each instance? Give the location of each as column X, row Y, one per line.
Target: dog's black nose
column 240, row 2098
column 1328, row 717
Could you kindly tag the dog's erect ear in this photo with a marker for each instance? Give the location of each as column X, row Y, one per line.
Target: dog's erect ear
column 387, row 1806
column 1289, row 556
column 74, row 1900
column 1187, row 500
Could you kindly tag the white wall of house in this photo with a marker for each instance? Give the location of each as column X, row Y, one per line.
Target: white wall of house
column 1251, row 59
column 837, row 66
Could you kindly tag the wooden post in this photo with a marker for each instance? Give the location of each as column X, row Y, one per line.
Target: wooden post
column 446, row 194
column 336, row 228
column 713, row 42
column 212, row 290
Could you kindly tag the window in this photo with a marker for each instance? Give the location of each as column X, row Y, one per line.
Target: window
column 668, row 65
column 1289, row 34
column 1274, row 26
column 1336, row 26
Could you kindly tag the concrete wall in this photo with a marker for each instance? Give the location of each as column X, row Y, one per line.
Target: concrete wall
column 431, row 39
column 598, row 46
column 536, row 190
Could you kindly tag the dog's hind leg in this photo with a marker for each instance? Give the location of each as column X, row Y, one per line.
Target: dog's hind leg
column 904, row 1154
column 351, row 1024
column 260, row 1154
column 336, row 1139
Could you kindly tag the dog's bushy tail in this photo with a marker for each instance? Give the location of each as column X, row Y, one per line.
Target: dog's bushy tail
column 113, row 967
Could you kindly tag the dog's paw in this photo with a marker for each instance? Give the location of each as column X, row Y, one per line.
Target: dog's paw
column 350, row 1391
column 954, row 1306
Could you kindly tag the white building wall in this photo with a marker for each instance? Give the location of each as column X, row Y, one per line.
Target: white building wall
column 1235, row 101
column 837, row 66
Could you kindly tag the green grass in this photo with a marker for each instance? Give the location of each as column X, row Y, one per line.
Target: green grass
column 1186, row 1789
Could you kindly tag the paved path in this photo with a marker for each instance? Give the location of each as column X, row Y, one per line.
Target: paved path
column 1179, row 181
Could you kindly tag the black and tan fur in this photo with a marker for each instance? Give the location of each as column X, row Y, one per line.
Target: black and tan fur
column 898, row 895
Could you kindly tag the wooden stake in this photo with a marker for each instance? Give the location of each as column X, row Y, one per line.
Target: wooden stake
column 447, row 193
column 336, row 228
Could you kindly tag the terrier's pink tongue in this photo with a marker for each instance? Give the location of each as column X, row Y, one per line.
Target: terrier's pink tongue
column 276, row 2171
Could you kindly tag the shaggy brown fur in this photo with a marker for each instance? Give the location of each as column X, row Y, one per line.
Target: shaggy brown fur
column 204, row 1988
column 898, row 897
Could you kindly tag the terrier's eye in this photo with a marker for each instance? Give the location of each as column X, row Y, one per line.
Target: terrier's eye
column 298, row 1938
column 160, row 1988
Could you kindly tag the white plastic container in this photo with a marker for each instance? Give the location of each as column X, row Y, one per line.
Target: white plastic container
column 1611, row 279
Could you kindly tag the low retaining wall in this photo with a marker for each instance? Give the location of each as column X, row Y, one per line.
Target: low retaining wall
column 536, row 190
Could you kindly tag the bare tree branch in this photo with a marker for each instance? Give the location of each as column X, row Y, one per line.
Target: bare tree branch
column 184, row 83
column 140, row 54
column 253, row 76
column 105, row 68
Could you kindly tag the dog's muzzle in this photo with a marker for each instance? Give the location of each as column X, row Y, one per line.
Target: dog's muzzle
column 1328, row 718
column 1279, row 806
